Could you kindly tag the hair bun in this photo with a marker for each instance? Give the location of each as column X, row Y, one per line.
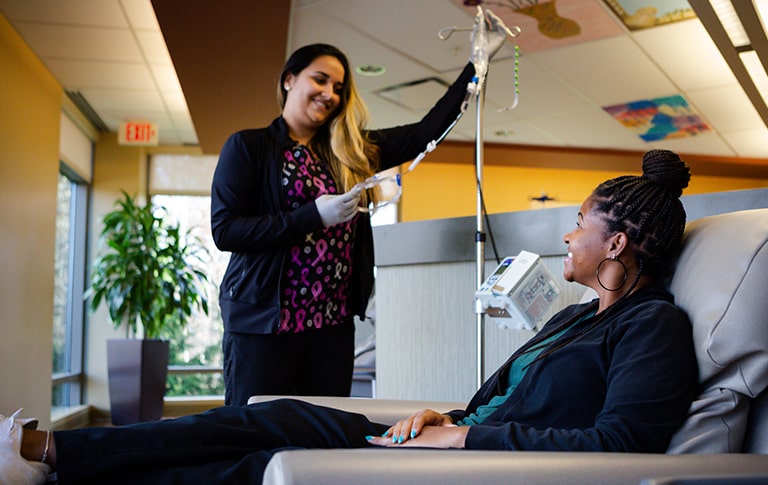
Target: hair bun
column 665, row 168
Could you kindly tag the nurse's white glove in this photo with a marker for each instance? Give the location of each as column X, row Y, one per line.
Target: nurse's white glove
column 335, row 209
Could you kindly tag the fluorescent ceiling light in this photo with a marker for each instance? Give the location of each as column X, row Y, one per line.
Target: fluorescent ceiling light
column 762, row 10
column 730, row 21
column 737, row 30
column 756, row 72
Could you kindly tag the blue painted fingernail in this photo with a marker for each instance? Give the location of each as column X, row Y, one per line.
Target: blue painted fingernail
column 413, row 433
column 401, row 439
column 384, row 435
column 369, row 437
column 394, row 439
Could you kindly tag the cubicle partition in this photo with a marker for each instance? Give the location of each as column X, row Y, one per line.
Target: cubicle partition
column 426, row 327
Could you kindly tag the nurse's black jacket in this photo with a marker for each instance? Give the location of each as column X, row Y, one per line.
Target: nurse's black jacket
column 250, row 217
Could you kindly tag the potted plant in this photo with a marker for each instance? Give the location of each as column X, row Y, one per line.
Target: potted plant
column 151, row 279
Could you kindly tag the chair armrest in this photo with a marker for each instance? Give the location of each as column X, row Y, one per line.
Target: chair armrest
column 385, row 466
column 384, row 411
column 711, row 479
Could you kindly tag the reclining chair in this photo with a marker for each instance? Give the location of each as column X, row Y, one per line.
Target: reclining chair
column 721, row 280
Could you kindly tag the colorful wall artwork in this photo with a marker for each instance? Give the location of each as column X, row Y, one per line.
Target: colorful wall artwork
column 659, row 118
column 547, row 24
column 642, row 14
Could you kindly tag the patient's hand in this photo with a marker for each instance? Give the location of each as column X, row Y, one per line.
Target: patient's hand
column 450, row 436
column 413, row 432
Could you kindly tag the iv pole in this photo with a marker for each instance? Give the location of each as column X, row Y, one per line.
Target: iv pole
column 443, row 34
column 479, row 238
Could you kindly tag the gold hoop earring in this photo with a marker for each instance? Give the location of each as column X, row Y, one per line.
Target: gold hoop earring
column 613, row 258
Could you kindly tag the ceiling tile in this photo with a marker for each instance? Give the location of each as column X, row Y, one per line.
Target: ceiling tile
column 679, row 49
column 141, row 15
column 409, row 27
column 701, row 144
column 607, row 71
column 384, row 113
column 519, row 132
column 418, row 95
column 552, row 25
column 182, row 121
column 311, row 25
column 458, row 134
column 166, row 78
column 749, row 143
column 726, row 108
column 589, row 128
column 153, row 48
column 174, row 102
column 94, row 13
column 91, row 43
column 133, row 101
column 77, row 75
column 540, row 91
column 114, row 117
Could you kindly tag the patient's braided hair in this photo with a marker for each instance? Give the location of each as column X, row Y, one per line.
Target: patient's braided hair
column 648, row 209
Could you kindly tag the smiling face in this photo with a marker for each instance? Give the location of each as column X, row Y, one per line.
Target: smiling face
column 588, row 244
column 313, row 96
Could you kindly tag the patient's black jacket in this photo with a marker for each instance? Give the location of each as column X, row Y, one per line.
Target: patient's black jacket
column 625, row 385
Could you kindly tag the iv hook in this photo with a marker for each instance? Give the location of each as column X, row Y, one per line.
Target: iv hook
column 446, row 32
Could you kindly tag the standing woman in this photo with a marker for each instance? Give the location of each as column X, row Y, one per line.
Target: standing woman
column 284, row 204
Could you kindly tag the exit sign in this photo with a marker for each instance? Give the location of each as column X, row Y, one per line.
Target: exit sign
column 137, row 133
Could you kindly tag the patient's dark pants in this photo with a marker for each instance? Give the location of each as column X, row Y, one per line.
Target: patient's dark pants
column 224, row 445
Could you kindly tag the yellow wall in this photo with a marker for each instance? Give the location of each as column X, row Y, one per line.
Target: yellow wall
column 441, row 190
column 31, row 101
column 30, row 107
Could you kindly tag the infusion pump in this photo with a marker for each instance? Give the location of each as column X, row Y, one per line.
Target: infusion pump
column 519, row 293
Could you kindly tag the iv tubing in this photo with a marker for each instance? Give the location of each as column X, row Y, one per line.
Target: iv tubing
column 433, row 144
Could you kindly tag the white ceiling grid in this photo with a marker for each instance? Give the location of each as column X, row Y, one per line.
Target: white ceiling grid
column 112, row 52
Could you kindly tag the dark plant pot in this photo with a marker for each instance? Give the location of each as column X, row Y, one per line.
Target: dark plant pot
column 137, row 379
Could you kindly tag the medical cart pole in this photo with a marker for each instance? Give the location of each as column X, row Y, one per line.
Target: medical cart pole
column 479, row 238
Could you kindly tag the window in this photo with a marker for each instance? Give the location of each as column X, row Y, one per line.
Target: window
column 69, row 284
column 196, row 360
column 195, row 367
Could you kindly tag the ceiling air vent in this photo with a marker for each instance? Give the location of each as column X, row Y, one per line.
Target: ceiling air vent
column 416, row 95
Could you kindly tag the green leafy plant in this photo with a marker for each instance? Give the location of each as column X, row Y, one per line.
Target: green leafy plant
column 151, row 275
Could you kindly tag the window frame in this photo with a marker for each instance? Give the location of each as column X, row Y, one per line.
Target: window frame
column 75, row 308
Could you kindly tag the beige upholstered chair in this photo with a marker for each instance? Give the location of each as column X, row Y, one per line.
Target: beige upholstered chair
column 721, row 280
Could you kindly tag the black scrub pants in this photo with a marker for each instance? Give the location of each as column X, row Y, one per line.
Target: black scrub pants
column 226, row 445
column 316, row 362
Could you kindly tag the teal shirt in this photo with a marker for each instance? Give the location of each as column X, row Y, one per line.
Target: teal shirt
column 516, row 373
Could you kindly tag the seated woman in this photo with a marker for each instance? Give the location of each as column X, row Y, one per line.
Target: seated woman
column 615, row 374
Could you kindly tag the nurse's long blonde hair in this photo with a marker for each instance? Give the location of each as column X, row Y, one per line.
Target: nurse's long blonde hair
column 342, row 142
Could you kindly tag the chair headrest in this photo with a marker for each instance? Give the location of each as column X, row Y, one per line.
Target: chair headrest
column 721, row 281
